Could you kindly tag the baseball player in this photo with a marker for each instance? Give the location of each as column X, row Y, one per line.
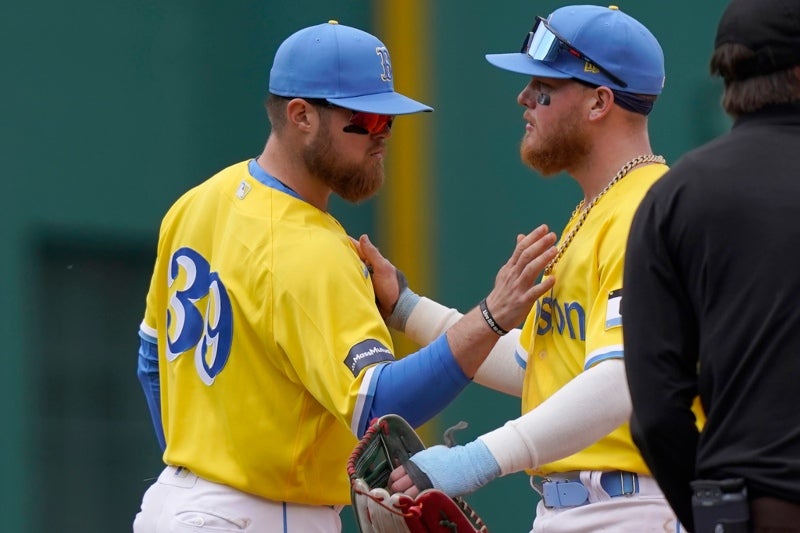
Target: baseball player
column 594, row 74
column 263, row 355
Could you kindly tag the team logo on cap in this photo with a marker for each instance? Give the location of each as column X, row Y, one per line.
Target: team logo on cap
column 386, row 63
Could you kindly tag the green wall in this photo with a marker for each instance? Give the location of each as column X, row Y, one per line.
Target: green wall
column 111, row 109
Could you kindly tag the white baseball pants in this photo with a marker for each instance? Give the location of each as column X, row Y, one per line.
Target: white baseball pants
column 181, row 502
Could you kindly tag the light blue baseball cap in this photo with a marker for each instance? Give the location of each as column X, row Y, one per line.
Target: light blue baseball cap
column 595, row 44
column 346, row 66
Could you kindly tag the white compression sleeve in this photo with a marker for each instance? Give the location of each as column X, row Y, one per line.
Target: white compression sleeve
column 586, row 409
column 500, row 371
column 428, row 320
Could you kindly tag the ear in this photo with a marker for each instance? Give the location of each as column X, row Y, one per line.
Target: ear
column 602, row 101
column 301, row 114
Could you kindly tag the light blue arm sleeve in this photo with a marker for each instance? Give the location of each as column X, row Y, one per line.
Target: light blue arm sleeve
column 416, row 387
column 458, row 470
column 147, row 372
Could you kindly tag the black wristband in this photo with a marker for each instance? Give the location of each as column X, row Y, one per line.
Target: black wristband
column 487, row 316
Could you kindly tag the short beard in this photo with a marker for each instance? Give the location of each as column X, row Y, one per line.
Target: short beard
column 565, row 146
column 352, row 181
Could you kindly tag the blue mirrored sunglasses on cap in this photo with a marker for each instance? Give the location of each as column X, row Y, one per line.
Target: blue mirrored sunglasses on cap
column 543, row 44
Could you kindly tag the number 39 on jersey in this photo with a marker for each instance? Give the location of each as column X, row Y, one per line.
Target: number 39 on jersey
column 199, row 317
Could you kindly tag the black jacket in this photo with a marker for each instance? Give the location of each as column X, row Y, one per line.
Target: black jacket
column 711, row 306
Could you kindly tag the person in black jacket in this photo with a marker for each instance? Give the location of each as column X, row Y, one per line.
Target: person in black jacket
column 712, row 293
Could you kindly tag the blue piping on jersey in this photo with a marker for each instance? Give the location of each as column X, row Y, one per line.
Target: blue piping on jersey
column 523, row 364
column 614, row 354
column 270, row 181
column 416, row 387
column 364, row 410
column 285, row 520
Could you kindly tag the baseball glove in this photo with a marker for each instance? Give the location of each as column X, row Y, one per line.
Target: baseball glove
column 388, row 443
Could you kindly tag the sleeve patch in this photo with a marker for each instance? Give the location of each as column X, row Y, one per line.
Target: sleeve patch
column 366, row 353
column 614, row 309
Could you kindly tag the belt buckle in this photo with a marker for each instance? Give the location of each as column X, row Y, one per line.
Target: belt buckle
column 564, row 493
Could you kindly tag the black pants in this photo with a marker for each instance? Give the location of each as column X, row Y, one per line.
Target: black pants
column 771, row 515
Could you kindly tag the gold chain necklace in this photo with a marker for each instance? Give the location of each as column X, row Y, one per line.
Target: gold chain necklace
column 584, row 211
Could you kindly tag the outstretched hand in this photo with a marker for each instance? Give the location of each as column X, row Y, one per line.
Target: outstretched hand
column 515, row 289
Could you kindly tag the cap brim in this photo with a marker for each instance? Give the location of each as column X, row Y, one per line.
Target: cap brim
column 522, row 64
column 388, row 103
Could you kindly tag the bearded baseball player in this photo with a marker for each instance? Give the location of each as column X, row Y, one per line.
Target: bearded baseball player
column 593, row 76
column 263, row 354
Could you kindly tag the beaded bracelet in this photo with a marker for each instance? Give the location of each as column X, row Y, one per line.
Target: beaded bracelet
column 487, row 316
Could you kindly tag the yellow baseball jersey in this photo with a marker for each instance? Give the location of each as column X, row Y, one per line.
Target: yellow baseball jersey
column 267, row 325
column 579, row 323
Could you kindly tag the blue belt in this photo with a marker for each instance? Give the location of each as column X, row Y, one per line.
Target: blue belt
column 572, row 493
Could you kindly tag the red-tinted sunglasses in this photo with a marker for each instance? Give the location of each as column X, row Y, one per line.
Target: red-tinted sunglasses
column 363, row 123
